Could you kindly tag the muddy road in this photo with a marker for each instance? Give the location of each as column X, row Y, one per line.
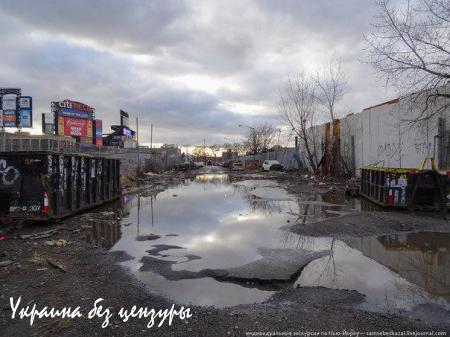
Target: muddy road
column 247, row 253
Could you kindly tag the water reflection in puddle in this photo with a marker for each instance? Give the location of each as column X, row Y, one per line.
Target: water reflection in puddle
column 209, row 223
column 393, row 277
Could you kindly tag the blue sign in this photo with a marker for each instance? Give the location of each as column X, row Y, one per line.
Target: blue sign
column 66, row 112
column 25, row 118
column 25, row 106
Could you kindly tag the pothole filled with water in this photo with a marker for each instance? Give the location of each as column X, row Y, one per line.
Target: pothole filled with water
column 210, row 242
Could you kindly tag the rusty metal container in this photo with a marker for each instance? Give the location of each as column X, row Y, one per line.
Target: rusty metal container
column 421, row 189
column 49, row 185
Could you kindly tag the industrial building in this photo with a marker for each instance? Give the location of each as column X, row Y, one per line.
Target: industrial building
column 399, row 133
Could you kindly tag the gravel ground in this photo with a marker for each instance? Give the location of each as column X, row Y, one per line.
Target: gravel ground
column 68, row 269
column 374, row 223
column 92, row 273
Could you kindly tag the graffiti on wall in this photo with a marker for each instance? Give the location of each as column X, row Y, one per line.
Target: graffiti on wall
column 394, row 150
column 422, row 148
column 390, row 150
column 9, row 173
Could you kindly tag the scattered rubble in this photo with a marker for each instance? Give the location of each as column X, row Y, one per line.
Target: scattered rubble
column 56, row 243
column 40, row 235
column 360, row 223
column 5, row 263
column 56, row 264
column 92, row 270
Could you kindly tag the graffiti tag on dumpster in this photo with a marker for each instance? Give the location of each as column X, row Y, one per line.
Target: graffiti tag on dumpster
column 9, row 173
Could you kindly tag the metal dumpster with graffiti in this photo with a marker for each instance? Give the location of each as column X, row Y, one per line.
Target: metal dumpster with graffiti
column 50, row 185
column 411, row 188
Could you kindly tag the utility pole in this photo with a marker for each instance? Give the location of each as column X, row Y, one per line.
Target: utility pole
column 137, row 144
column 151, row 136
column 253, row 138
column 204, row 150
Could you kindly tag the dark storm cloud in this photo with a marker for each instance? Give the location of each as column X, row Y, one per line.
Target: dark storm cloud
column 136, row 25
column 193, row 68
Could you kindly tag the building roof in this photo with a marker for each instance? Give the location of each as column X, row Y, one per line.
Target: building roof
column 392, row 101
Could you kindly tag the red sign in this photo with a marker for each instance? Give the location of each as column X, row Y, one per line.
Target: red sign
column 75, row 106
column 99, row 141
column 77, row 127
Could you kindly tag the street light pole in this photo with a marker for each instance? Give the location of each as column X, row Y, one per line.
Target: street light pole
column 204, row 151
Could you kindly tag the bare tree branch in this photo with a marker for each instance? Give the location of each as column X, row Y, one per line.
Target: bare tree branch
column 409, row 46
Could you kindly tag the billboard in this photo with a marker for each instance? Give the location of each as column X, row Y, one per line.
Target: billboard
column 127, row 133
column 75, row 127
column 98, row 128
column 15, row 111
column 68, row 108
column 25, row 118
column 25, row 108
column 47, row 124
column 76, row 106
column 74, row 113
column 74, row 119
column 9, row 108
column 25, row 102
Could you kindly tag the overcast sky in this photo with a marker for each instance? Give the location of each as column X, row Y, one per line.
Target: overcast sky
column 196, row 69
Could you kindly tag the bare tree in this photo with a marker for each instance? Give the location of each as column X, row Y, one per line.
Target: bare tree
column 259, row 138
column 238, row 148
column 198, row 152
column 409, row 46
column 331, row 87
column 298, row 107
column 215, row 148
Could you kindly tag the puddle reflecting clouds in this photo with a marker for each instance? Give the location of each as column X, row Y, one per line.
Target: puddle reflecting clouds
column 208, row 223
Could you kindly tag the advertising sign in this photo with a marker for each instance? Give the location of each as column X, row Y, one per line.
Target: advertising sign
column 90, row 131
column 17, row 111
column 9, row 119
column 25, row 118
column 75, row 127
column 99, row 141
column 9, row 107
column 47, row 124
column 9, row 102
column 25, row 104
column 74, row 113
column 127, row 133
column 68, row 108
column 98, row 128
column 74, row 119
column 72, row 105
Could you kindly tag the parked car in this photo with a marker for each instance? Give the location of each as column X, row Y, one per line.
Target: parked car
column 198, row 164
column 185, row 166
column 227, row 164
column 271, row 165
column 236, row 165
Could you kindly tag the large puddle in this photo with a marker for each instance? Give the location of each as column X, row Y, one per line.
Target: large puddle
column 187, row 242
